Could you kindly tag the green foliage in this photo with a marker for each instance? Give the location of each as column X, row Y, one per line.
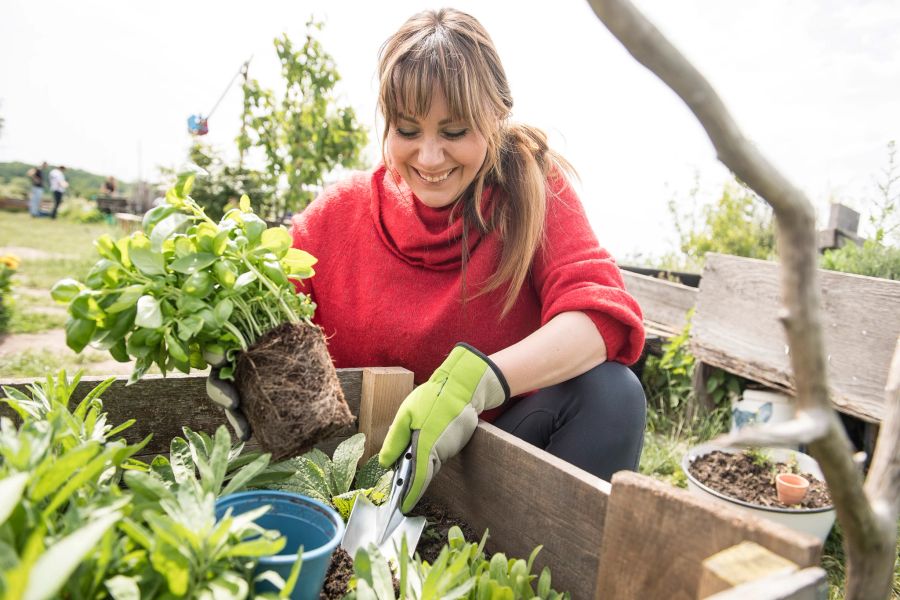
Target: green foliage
column 220, row 189
column 8, row 266
column 461, row 571
column 872, row 258
column 879, row 256
column 335, row 481
column 66, row 519
column 306, row 133
column 668, row 379
column 759, row 457
column 739, row 222
column 186, row 291
column 80, row 210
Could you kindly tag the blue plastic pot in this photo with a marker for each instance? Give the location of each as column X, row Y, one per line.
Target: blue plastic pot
column 304, row 522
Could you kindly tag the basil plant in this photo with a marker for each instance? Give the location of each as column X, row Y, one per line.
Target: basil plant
column 186, row 291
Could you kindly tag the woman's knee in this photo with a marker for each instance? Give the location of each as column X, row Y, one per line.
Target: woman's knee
column 613, row 383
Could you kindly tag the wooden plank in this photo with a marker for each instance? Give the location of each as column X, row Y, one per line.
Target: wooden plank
column 665, row 304
column 740, row 564
column 656, row 537
column 163, row 405
column 736, row 328
column 808, row 584
column 383, row 389
column 526, row 497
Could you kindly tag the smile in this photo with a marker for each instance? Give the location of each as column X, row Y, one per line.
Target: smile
column 434, row 178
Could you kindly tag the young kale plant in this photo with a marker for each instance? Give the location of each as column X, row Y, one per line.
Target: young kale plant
column 186, row 291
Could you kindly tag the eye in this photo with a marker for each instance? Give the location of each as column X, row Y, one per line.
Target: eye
column 406, row 133
column 455, row 134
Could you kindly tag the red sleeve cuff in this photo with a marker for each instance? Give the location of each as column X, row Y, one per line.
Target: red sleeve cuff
column 624, row 344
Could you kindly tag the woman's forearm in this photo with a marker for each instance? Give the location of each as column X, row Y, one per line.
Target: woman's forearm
column 565, row 347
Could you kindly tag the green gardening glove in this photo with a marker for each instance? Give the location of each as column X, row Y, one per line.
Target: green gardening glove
column 440, row 416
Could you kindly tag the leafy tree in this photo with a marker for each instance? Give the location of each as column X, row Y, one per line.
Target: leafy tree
column 306, row 133
column 222, row 186
column 737, row 223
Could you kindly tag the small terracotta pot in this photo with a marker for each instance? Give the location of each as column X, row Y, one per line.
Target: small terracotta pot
column 791, row 488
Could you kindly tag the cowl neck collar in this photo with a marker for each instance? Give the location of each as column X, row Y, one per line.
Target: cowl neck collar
column 416, row 233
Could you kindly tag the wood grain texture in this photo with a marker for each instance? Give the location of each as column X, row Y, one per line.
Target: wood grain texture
column 740, row 564
column 664, row 304
column 657, row 536
column 808, row 584
column 736, row 328
column 526, row 497
column 163, row 405
column 383, row 389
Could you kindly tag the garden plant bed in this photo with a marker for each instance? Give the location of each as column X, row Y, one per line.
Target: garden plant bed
column 750, row 477
column 440, row 520
column 523, row 496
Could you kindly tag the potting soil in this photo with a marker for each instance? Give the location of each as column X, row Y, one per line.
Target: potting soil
column 433, row 539
column 738, row 476
column 289, row 390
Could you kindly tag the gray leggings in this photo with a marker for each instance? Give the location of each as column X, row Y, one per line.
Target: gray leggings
column 594, row 421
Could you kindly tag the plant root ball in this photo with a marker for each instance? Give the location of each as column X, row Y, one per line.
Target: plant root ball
column 290, row 391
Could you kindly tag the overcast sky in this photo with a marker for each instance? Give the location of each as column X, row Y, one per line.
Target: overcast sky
column 107, row 86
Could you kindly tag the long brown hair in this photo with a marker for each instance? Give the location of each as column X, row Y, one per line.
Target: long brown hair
column 451, row 49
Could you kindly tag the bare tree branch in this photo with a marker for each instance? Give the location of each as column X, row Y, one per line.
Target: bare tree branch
column 864, row 531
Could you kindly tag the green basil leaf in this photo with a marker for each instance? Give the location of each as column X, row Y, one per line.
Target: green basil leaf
column 126, row 299
column 119, row 352
column 79, row 332
column 244, row 280
column 147, row 261
column 200, row 284
column 165, row 228
column 277, row 239
column 65, row 290
column 149, row 314
column 193, row 262
column 85, row 306
column 223, row 311
column 253, row 228
column 155, row 215
column 178, row 352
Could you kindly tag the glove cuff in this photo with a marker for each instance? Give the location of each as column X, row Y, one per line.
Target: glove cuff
column 497, row 372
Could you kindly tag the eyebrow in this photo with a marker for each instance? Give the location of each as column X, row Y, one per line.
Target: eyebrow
column 406, row 117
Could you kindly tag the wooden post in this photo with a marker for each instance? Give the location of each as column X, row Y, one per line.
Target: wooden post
column 383, row 389
column 740, row 564
column 808, row 584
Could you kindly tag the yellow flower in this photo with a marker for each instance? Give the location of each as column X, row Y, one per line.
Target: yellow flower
column 10, row 260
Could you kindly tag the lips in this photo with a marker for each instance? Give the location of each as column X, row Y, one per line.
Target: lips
column 436, row 177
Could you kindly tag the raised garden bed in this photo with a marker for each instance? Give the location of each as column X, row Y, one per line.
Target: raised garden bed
column 632, row 538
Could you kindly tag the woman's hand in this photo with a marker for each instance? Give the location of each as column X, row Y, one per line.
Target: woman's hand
column 439, row 417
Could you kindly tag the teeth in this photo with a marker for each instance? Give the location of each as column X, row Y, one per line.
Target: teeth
column 434, row 179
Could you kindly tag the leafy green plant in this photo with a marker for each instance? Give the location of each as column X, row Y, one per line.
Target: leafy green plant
column 67, row 520
column 306, row 133
column 336, row 481
column 461, row 570
column 872, row 258
column 668, row 381
column 80, row 210
column 186, row 290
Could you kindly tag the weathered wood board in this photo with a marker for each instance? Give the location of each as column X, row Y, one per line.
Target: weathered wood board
column 665, row 304
column 163, row 405
column 526, row 497
column 736, row 328
column 657, row 536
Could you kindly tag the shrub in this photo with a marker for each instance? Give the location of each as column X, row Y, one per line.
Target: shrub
column 8, row 266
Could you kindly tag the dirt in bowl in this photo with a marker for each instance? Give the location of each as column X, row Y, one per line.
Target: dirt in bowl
column 439, row 521
column 750, row 476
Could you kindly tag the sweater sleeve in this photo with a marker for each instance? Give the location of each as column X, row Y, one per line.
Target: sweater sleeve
column 571, row 272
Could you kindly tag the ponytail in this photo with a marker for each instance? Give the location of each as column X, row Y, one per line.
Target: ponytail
column 519, row 168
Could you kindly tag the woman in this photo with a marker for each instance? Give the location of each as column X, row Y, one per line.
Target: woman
column 469, row 240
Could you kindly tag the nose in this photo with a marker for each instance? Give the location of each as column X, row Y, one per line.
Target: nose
column 431, row 153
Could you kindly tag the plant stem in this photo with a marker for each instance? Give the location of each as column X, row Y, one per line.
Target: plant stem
column 291, row 316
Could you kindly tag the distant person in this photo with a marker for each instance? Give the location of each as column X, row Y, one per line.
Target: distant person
column 58, row 186
column 108, row 187
column 36, row 174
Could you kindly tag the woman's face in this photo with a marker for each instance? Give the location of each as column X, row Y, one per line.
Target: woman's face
column 436, row 157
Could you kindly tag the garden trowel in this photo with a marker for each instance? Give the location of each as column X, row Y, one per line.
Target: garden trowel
column 385, row 526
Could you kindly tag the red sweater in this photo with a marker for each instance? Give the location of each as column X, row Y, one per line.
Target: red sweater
column 388, row 282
